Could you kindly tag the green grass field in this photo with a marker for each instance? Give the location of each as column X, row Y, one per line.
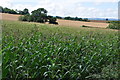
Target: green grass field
column 50, row 52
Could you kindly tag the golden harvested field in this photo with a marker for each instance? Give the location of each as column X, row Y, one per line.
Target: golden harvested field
column 69, row 23
column 80, row 23
column 5, row 16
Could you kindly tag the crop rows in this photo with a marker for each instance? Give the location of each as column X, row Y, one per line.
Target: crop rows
column 54, row 52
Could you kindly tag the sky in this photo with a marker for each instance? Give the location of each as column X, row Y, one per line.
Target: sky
column 73, row 8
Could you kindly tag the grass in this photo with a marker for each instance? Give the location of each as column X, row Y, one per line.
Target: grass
column 44, row 51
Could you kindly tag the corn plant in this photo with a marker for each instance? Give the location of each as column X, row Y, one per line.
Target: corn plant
column 43, row 51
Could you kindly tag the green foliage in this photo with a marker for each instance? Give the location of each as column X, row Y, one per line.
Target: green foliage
column 114, row 25
column 52, row 20
column 76, row 19
column 68, row 18
column 21, row 18
column 44, row 52
column 39, row 15
column 10, row 11
column 24, row 18
column 58, row 17
column 26, row 11
column 84, row 26
column 86, row 19
column 1, row 9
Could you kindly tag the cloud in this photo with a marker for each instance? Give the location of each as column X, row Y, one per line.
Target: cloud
column 96, row 0
column 65, row 7
column 5, row 3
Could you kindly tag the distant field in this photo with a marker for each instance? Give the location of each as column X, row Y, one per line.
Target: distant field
column 6, row 16
column 69, row 23
column 101, row 21
column 80, row 23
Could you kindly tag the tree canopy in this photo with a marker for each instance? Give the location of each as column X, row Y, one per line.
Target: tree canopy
column 11, row 11
column 1, row 9
column 39, row 15
column 76, row 18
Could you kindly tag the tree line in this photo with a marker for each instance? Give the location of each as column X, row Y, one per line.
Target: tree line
column 39, row 15
column 11, row 11
column 76, row 19
column 73, row 18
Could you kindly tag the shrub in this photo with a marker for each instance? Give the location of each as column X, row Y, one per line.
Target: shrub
column 52, row 20
column 21, row 18
column 84, row 26
column 85, row 19
column 114, row 25
column 1, row 9
column 40, row 20
column 30, row 18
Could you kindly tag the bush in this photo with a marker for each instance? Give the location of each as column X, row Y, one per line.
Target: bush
column 30, row 18
column 22, row 18
column 1, row 9
column 53, row 23
column 85, row 19
column 114, row 25
column 40, row 20
column 52, row 20
column 26, row 18
column 84, row 26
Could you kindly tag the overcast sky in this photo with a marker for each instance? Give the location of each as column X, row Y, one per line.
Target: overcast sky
column 80, row 8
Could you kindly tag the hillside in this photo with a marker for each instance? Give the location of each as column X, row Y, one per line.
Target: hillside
column 60, row 21
column 45, row 51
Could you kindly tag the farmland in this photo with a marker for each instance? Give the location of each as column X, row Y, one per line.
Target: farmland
column 5, row 16
column 61, row 22
column 32, row 50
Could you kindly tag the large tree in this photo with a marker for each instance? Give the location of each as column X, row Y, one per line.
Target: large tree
column 7, row 10
column 1, row 9
column 39, row 15
column 26, row 11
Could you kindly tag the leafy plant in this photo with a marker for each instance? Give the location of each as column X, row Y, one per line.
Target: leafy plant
column 114, row 25
column 44, row 51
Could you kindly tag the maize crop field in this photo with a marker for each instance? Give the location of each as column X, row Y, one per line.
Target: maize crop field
column 52, row 52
